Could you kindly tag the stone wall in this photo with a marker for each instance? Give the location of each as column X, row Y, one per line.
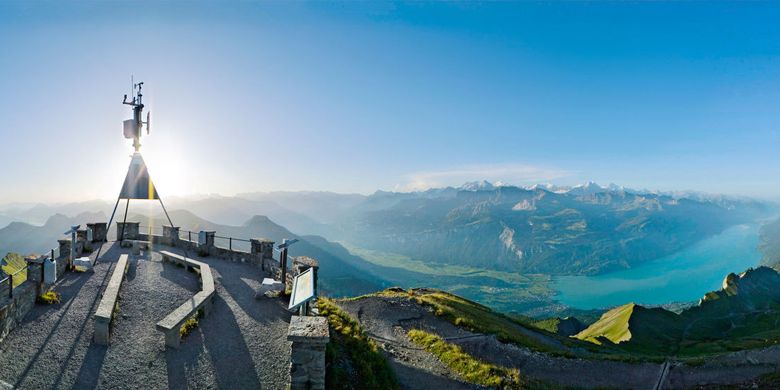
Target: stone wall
column 14, row 308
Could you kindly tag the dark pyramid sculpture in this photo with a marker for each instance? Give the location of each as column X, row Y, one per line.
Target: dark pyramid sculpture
column 138, row 183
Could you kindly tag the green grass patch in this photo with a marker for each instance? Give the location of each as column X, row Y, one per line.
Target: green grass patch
column 353, row 360
column 465, row 365
column 549, row 324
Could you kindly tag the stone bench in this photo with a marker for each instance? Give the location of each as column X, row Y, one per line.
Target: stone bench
column 105, row 310
column 269, row 285
column 171, row 324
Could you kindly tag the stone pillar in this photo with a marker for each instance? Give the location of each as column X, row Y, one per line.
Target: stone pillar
column 131, row 230
column 262, row 250
column 64, row 249
column 170, row 235
column 309, row 335
column 99, row 231
column 206, row 248
column 83, row 245
column 35, row 273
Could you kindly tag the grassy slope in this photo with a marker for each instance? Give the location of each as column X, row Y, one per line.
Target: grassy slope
column 352, row 358
column 613, row 326
column 549, row 324
column 465, row 365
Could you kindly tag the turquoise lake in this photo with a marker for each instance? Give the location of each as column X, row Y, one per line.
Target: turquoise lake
column 681, row 277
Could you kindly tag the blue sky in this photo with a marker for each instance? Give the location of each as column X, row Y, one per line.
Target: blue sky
column 355, row 97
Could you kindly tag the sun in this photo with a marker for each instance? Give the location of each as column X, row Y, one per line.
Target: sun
column 167, row 167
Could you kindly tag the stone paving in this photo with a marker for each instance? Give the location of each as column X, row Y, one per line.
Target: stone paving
column 240, row 344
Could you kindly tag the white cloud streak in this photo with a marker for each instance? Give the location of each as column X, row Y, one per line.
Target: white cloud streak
column 506, row 173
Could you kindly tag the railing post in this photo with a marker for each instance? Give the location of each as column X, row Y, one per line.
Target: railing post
column 231, row 244
column 10, row 286
column 189, row 236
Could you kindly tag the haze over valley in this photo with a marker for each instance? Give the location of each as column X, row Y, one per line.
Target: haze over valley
column 534, row 250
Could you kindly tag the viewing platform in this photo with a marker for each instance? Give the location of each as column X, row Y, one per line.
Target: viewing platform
column 241, row 343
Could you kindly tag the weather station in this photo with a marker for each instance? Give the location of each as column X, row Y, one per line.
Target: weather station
column 138, row 184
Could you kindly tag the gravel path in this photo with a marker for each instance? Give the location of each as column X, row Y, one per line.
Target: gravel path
column 240, row 344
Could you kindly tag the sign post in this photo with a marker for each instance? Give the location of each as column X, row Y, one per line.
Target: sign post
column 283, row 259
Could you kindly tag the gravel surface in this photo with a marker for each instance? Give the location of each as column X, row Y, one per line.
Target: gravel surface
column 240, row 344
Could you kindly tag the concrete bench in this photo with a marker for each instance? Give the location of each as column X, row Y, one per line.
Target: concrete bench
column 269, row 285
column 171, row 324
column 105, row 310
column 188, row 263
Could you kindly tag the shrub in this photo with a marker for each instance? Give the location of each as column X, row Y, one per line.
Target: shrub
column 49, row 298
column 188, row 326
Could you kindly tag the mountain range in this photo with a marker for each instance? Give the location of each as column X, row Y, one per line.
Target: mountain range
column 585, row 230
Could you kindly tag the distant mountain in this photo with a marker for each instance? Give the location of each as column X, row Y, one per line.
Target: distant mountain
column 743, row 314
column 24, row 238
column 39, row 213
column 588, row 229
column 769, row 243
column 323, row 207
column 5, row 220
column 236, row 210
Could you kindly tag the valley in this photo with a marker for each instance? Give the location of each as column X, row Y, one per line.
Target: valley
column 535, row 251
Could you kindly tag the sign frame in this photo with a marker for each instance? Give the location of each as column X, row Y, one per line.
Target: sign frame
column 301, row 283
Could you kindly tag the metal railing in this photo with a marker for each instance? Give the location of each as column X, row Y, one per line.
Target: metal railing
column 224, row 242
column 10, row 280
column 232, row 243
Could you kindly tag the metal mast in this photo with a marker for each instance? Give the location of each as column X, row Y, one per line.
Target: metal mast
column 134, row 126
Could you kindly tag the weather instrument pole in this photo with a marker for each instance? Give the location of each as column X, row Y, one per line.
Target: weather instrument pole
column 138, row 183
